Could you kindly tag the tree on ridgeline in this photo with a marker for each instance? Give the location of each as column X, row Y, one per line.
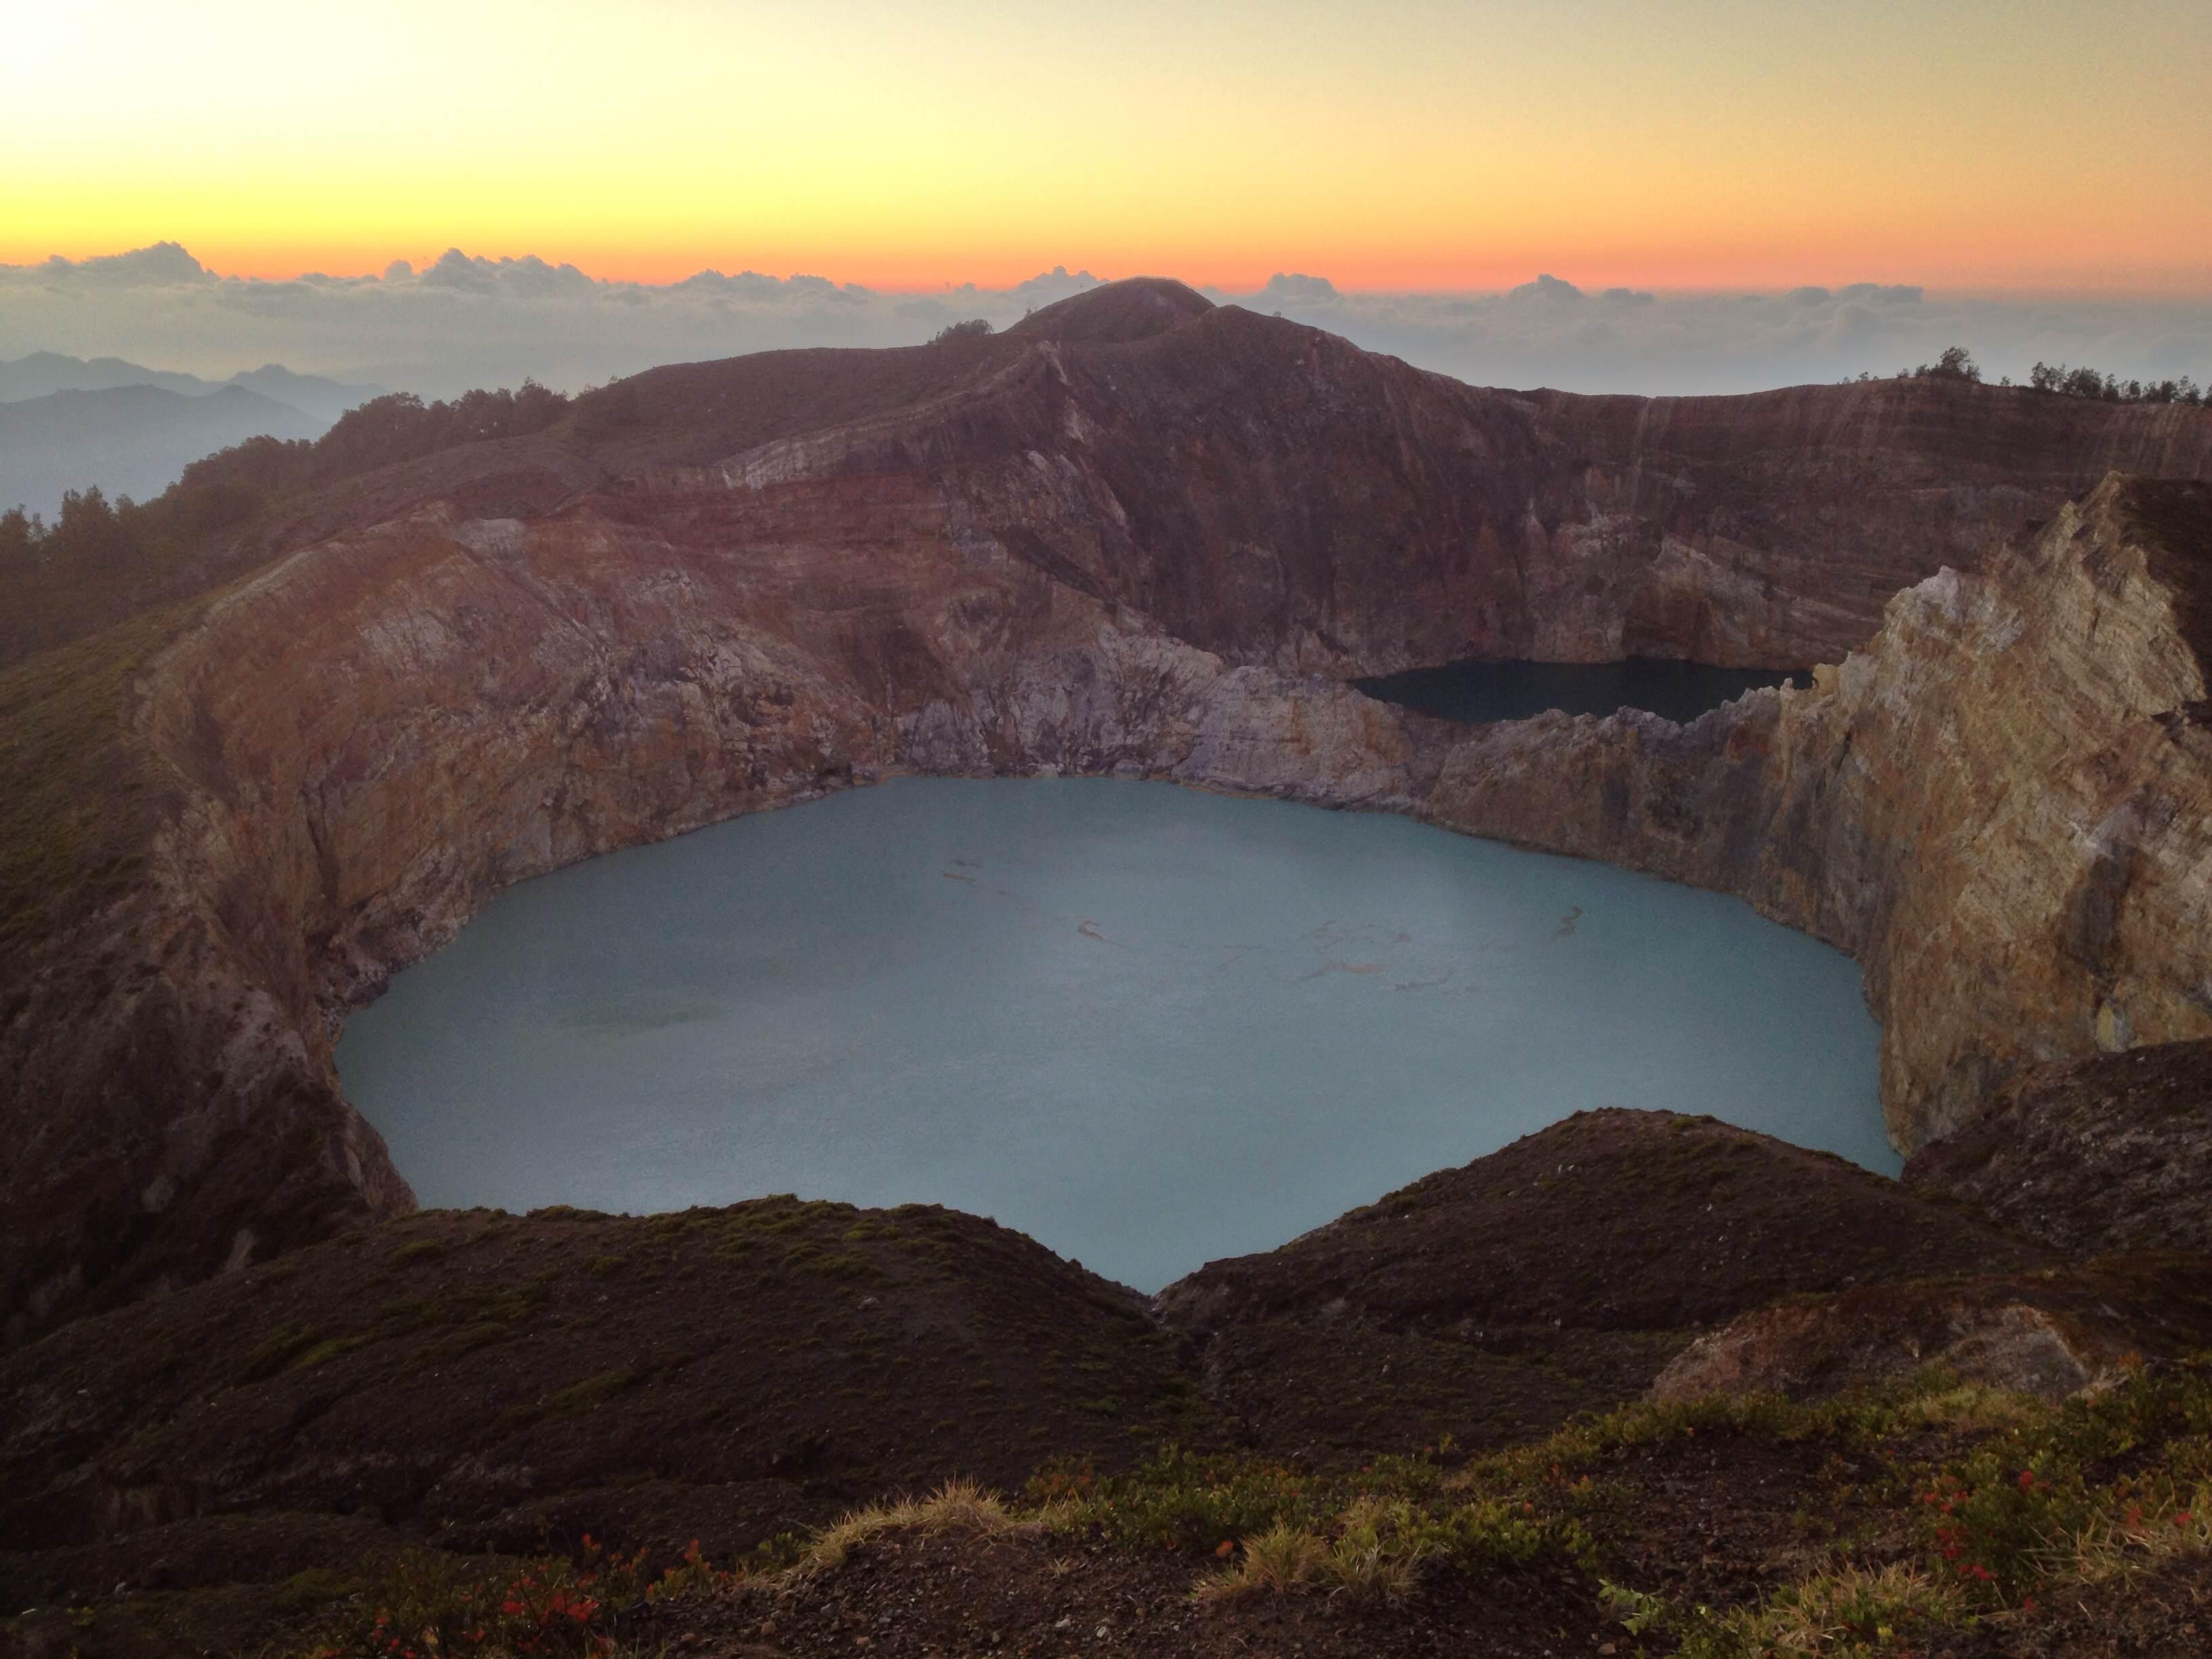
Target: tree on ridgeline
column 92, row 533
column 20, row 535
column 2058, row 379
column 100, row 559
column 225, row 490
column 401, row 426
column 1956, row 363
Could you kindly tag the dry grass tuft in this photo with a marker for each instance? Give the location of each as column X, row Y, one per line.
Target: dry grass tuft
column 2139, row 1540
column 962, row 1504
column 1372, row 1572
column 1378, row 1555
column 1847, row 1612
column 1280, row 1560
column 959, row 1505
column 1368, row 1562
column 833, row 1543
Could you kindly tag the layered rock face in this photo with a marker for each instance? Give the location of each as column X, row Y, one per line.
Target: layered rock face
column 2002, row 807
column 1276, row 495
column 1121, row 538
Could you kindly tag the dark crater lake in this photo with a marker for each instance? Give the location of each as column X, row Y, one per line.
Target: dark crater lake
column 1146, row 1025
column 1477, row 692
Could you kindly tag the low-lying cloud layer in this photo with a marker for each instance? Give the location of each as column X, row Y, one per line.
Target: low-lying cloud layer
column 1550, row 332
column 463, row 321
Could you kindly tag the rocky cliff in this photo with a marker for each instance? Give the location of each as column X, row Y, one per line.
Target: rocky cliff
column 1124, row 537
column 2002, row 806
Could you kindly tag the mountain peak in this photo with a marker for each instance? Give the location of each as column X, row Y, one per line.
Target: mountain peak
column 1135, row 309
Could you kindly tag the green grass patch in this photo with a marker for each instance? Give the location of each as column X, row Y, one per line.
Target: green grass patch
column 276, row 1351
column 326, row 1351
column 589, row 1394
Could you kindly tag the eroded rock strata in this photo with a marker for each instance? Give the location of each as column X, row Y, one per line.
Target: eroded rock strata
column 2002, row 806
column 1123, row 538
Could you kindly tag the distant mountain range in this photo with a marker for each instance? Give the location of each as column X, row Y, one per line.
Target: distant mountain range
column 68, row 422
column 129, row 439
column 46, row 371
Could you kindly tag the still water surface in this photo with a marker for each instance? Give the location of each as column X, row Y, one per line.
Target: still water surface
column 1147, row 1026
column 1483, row 692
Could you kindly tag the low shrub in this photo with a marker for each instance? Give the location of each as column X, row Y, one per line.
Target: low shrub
column 1993, row 1525
column 433, row 1603
column 1183, row 1499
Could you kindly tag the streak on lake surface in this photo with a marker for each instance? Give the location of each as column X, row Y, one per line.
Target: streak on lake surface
column 1479, row 692
column 1146, row 1025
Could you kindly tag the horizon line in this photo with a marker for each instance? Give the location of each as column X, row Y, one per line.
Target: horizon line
column 1318, row 286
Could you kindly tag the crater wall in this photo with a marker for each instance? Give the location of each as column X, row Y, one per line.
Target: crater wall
column 2002, row 806
column 1132, row 541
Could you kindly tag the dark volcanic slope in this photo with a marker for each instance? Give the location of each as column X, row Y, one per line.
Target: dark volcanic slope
column 485, row 1379
column 2113, row 1152
column 217, row 1469
column 1559, row 1274
column 477, row 1377
column 474, row 1380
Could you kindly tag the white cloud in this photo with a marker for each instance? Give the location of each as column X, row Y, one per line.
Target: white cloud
column 1294, row 287
column 465, row 320
column 1545, row 290
column 161, row 263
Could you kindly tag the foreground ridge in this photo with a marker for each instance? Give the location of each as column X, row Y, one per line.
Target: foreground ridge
column 777, row 1428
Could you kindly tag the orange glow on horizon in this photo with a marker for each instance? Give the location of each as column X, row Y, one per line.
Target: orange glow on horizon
column 1409, row 145
column 1687, row 273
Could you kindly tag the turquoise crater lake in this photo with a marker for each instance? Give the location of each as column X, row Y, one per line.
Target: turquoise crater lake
column 1146, row 1025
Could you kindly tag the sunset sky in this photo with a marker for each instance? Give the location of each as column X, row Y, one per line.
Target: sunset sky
column 1402, row 144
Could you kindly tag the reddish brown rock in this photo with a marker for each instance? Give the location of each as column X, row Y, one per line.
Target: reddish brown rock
column 2051, row 1334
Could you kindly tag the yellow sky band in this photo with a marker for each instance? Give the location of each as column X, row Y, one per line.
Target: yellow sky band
column 1415, row 144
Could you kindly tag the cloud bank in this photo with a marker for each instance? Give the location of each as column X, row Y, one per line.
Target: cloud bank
column 1551, row 332
column 464, row 321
